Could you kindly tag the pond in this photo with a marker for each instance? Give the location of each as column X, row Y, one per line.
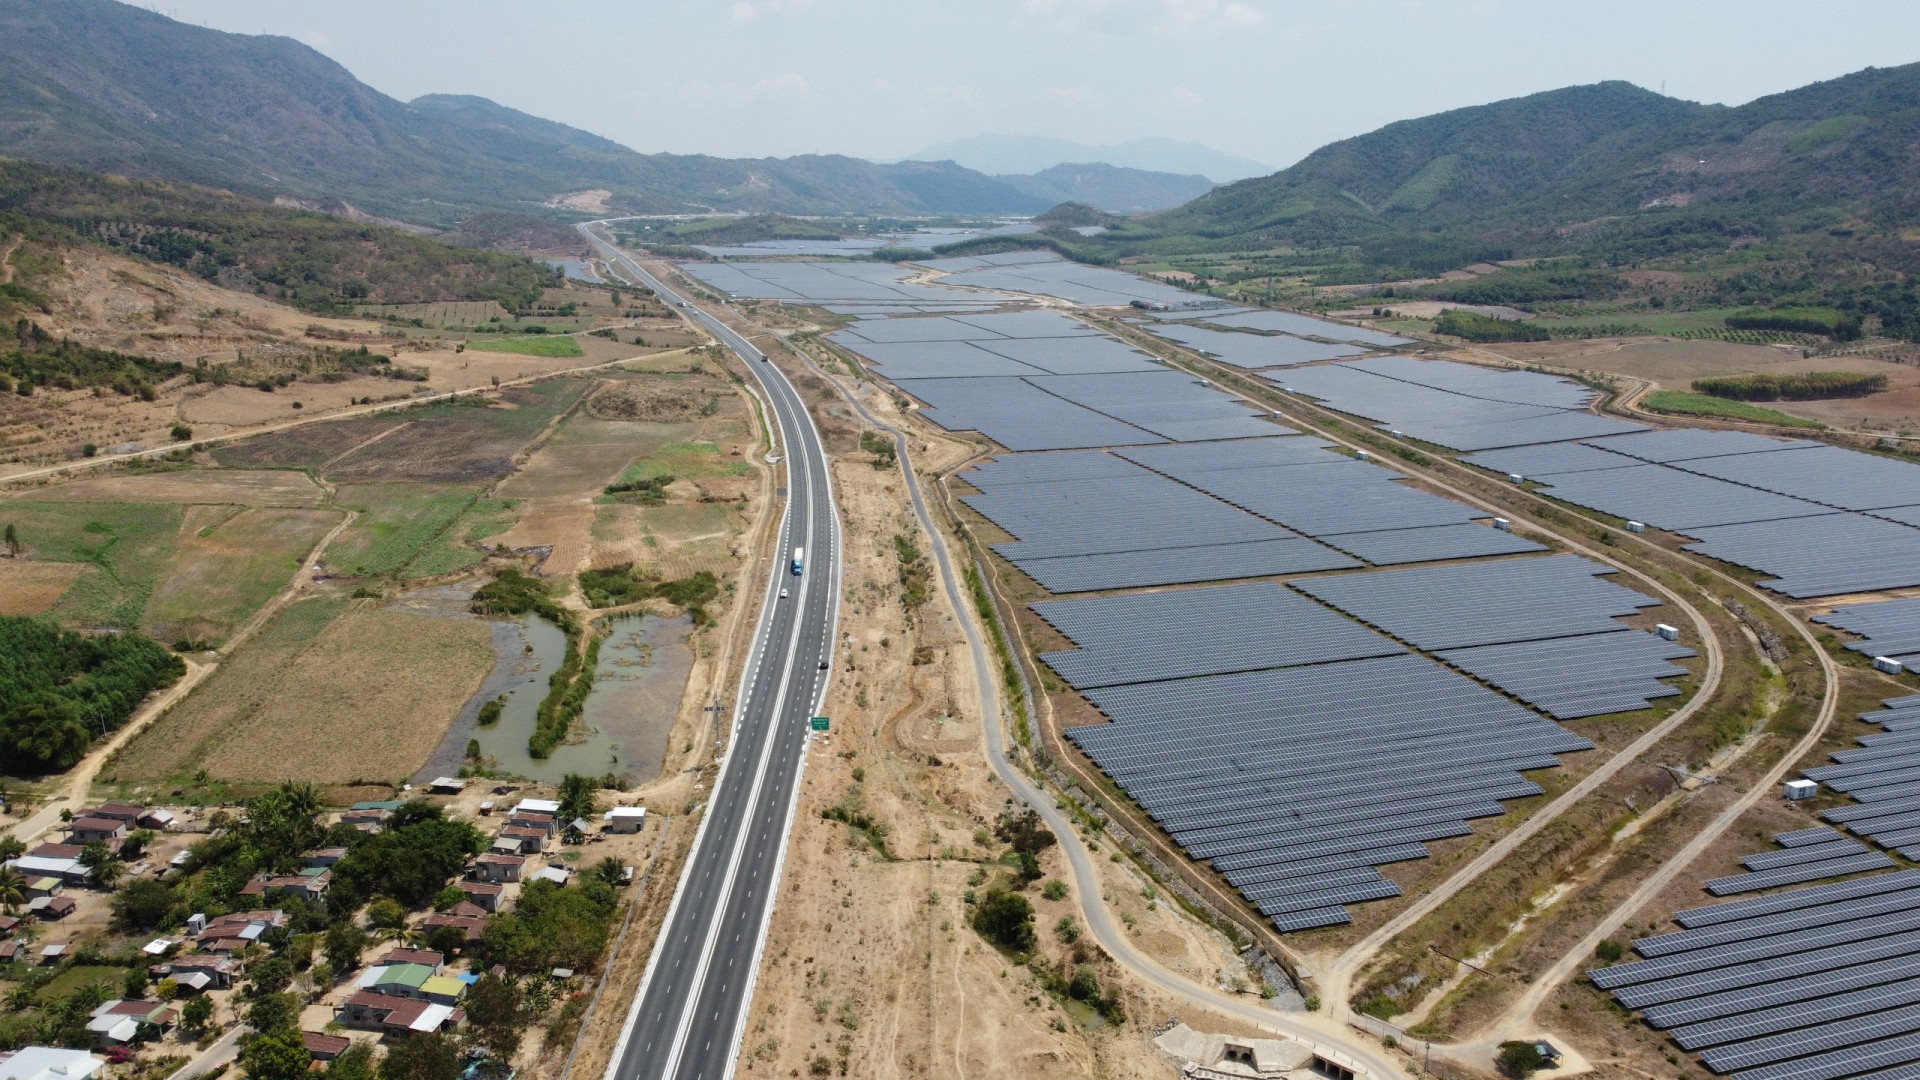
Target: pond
column 644, row 664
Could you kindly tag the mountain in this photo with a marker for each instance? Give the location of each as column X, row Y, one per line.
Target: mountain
column 107, row 87
column 1109, row 187
column 1610, row 151
column 1026, row 154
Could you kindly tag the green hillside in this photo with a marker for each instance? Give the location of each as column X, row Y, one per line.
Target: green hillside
column 1612, row 195
column 107, row 87
column 318, row 262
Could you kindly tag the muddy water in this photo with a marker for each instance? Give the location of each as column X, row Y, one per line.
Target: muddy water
column 644, row 664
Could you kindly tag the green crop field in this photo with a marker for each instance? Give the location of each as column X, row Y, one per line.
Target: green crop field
column 397, row 521
column 533, row 345
column 1685, row 404
column 228, row 566
column 127, row 548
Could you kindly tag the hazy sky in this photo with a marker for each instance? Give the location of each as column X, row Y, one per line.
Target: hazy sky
column 1265, row 79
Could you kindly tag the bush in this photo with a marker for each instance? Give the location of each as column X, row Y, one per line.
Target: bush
column 1005, row 919
column 1485, row 328
column 1827, row 322
column 1609, row 950
column 1519, row 1060
column 182, row 433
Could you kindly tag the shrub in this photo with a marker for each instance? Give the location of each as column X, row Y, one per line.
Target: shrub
column 1005, row 919
column 183, row 433
column 1609, row 950
column 1518, row 1059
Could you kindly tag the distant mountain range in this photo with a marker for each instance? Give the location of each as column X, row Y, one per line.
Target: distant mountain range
column 104, row 86
column 1001, row 154
column 1109, row 187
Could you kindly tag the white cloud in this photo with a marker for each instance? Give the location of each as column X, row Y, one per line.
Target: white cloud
column 745, row 12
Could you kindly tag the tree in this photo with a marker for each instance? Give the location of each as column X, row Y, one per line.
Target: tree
column 167, row 989
column 354, row 1063
column 1006, row 919
column 135, row 986
column 448, row 897
column 276, row 1055
column 101, row 864
column 12, row 541
column 422, row 1057
column 273, row 1012
column 345, row 942
column 611, row 870
column 135, row 843
column 197, row 1013
column 11, row 848
column 270, row 976
column 386, row 913
column 13, row 889
column 579, row 797
column 1519, row 1059
column 143, row 904
column 493, row 1008
column 1024, row 831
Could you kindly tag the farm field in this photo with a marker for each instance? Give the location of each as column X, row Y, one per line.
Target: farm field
column 228, row 564
column 30, row 588
column 123, row 549
column 239, row 487
column 317, row 697
column 468, row 440
column 396, row 521
column 535, row 345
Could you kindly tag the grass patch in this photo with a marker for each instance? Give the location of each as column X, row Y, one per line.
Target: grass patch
column 533, row 345
column 397, row 522
column 127, row 548
column 72, row 979
column 455, row 548
column 1684, row 404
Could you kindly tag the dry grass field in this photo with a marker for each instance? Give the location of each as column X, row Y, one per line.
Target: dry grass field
column 227, row 565
column 238, row 487
column 31, row 588
column 333, row 692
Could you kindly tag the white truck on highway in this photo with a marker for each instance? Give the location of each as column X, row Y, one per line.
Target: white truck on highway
column 799, row 561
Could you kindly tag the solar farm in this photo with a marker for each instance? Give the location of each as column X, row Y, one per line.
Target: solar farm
column 1312, row 669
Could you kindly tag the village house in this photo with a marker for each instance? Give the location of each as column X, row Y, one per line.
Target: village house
column 480, row 894
column 497, row 868
column 396, row 1017
column 117, row 1023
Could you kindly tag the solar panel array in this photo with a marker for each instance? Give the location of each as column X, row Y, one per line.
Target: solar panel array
column 821, row 281
column 1447, row 417
column 1251, row 351
column 1816, row 983
column 1572, row 677
column 1046, row 274
column 1883, row 776
column 1146, row 637
column 1819, row 520
column 1287, row 322
column 1459, row 605
column 1019, row 415
column 1090, row 520
column 1820, row 556
column 1890, row 628
column 1298, row 782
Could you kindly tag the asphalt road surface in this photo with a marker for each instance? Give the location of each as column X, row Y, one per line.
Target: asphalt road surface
column 687, row 1020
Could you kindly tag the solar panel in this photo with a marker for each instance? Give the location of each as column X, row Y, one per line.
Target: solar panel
column 1587, row 675
column 1392, row 547
column 1820, row 556
column 1845, row 479
column 1793, row 875
column 1146, row 637
column 1890, row 627
column 1674, row 500
column 1465, row 604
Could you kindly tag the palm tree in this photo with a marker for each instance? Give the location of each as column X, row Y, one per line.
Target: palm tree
column 303, row 800
column 100, row 862
column 579, row 797
column 13, row 889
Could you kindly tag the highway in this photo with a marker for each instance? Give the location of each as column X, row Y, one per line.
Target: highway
column 687, row 1020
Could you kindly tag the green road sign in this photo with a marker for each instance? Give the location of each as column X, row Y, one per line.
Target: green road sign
column 819, row 723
